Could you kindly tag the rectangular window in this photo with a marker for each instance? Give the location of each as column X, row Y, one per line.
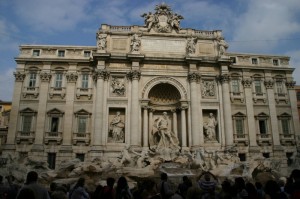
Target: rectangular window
column 61, row 53
column 58, row 80
column 54, row 124
column 298, row 96
column 82, row 121
column 27, row 120
column 239, row 127
column 257, row 84
column 275, row 62
column 262, row 126
column 285, row 127
column 254, row 61
column 235, row 86
column 87, row 53
column 36, row 53
column 85, row 81
column 32, row 80
column 51, row 160
column 279, row 87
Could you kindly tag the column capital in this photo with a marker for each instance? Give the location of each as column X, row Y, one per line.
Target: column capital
column 247, row 82
column 72, row 76
column 224, row 78
column 19, row 76
column 134, row 75
column 290, row 84
column 193, row 77
column 45, row 77
column 101, row 74
column 269, row 83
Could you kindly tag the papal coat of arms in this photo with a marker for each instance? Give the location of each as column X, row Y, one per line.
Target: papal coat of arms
column 163, row 20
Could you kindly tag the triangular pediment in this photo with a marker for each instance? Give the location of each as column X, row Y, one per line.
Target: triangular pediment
column 82, row 112
column 55, row 111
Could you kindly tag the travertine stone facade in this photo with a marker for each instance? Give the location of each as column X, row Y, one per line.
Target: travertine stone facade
column 143, row 82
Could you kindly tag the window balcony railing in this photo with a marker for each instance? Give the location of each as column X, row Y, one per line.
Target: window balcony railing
column 25, row 137
column 30, row 91
column 241, row 139
column 81, row 137
column 287, row 139
column 84, row 92
column 264, row 139
column 53, row 137
column 57, row 91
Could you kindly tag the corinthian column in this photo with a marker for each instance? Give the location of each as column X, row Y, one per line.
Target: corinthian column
column 41, row 112
column 247, row 82
column 224, row 79
column 135, row 135
column 197, row 135
column 14, row 113
column 99, row 135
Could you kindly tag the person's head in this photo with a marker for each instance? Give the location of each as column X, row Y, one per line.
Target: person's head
column 295, row 174
column 32, row 176
column 164, row 176
column 207, row 177
column 80, row 182
column 271, row 187
column 53, row 186
column 122, row 183
column 110, row 182
column 118, row 113
column 165, row 114
column 258, row 185
column 211, row 114
column 239, row 183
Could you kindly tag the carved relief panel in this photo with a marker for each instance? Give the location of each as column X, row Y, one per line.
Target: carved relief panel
column 118, row 86
column 116, row 125
column 208, row 88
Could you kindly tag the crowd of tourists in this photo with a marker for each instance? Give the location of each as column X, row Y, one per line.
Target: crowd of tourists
column 206, row 187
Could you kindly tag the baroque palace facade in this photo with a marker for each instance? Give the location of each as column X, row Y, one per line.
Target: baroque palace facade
column 158, row 87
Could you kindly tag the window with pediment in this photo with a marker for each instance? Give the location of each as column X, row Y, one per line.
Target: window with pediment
column 236, row 89
column 82, row 120
column 285, row 121
column 84, row 85
column 239, row 124
column 262, row 122
column 55, row 119
column 28, row 117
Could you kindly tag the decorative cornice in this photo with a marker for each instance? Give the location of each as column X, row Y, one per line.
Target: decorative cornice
column 45, row 77
column 290, row 84
column 134, row 75
column 193, row 77
column 269, row 83
column 19, row 77
column 71, row 77
column 247, row 82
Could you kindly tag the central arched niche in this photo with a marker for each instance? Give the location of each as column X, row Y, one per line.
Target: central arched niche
column 164, row 94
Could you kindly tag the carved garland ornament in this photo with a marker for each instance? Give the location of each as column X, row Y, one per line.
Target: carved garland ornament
column 247, row 82
column 224, row 78
column 45, row 77
column 134, row 75
column 19, row 76
column 193, row 77
column 269, row 83
column 72, row 77
column 290, row 84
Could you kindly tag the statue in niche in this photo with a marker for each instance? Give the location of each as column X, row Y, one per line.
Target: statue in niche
column 162, row 136
column 101, row 41
column 208, row 89
column 135, row 43
column 118, row 86
column 223, row 45
column 191, row 45
column 117, row 128
column 210, row 128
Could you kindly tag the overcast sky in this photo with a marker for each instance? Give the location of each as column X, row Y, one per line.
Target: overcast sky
column 249, row 26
